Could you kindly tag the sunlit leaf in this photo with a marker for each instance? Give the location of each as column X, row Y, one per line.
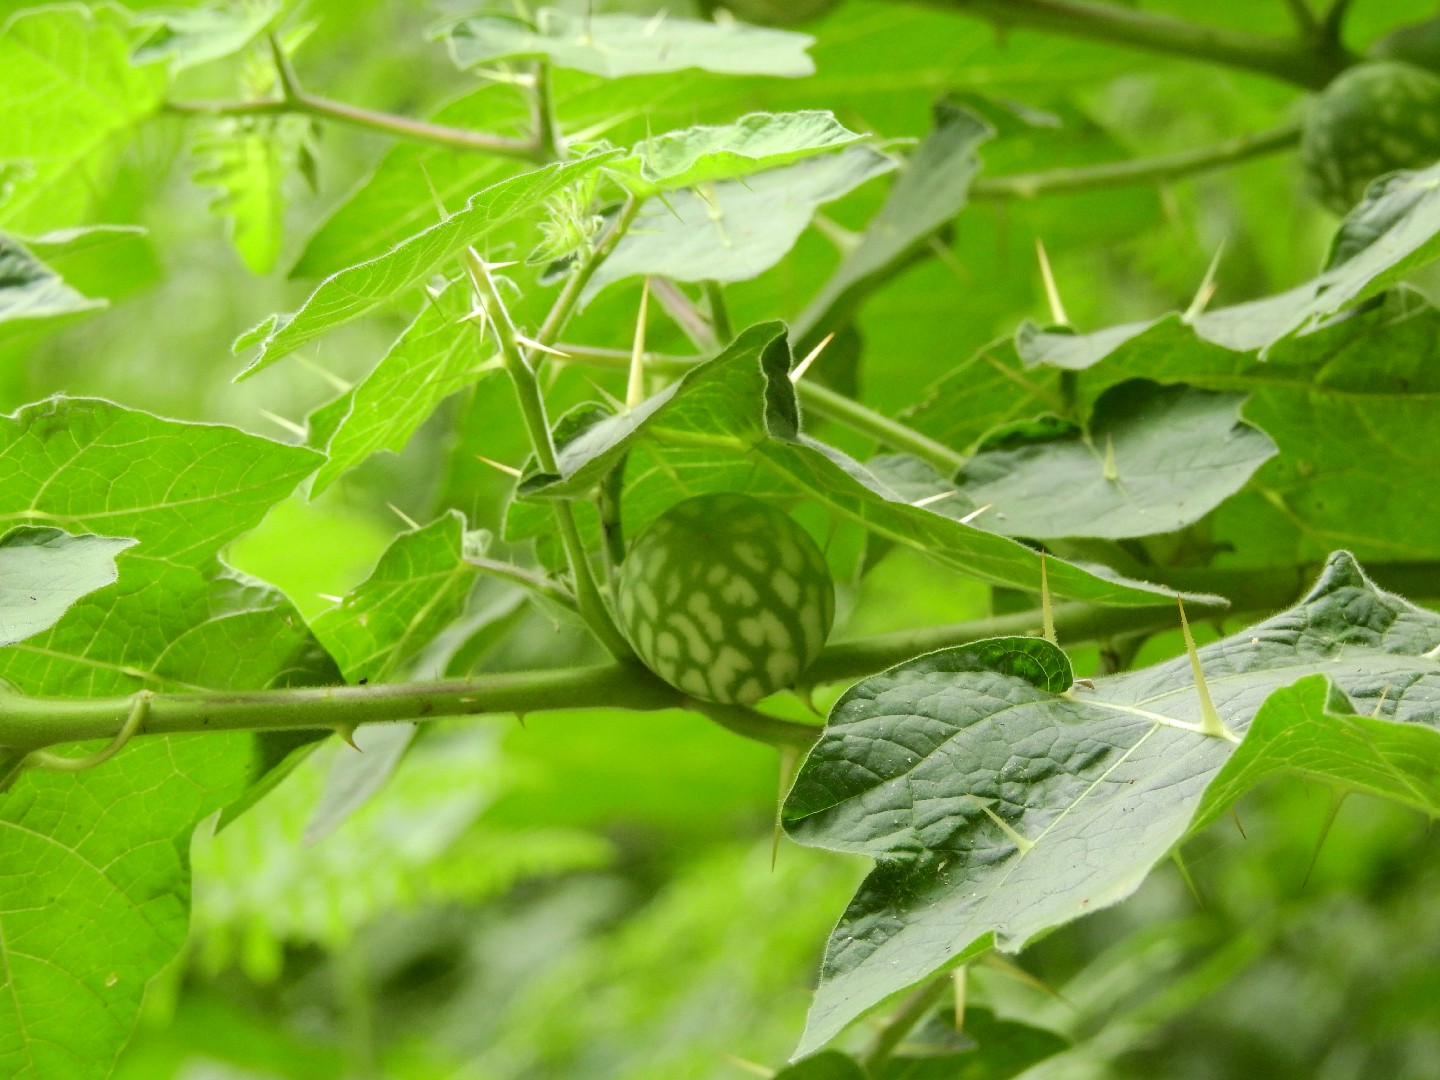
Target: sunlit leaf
column 43, row 571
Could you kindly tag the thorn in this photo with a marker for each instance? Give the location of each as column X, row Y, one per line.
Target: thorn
column 298, row 430
column 1016, row 972
column 654, row 24
column 1337, row 799
column 970, row 517
column 799, row 370
column 329, row 376
column 635, row 384
column 1207, row 288
column 749, row 1066
column 1236, row 816
column 1210, row 722
column 958, row 978
column 331, row 597
column 1047, row 612
column 1014, row 837
column 1110, row 472
column 508, row 470
column 842, row 238
column 347, row 732
column 1189, row 881
column 410, row 522
column 531, row 343
column 520, row 719
column 1384, row 693
column 1052, row 294
column 929, row 500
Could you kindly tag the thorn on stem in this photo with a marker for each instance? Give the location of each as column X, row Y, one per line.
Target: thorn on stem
column 1052, row 293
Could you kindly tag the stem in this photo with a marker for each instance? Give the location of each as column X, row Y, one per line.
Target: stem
column 547, row 128
column 1139, row 171
column 1310, row 64
column 910, row 1013
column 1304, row 18
column 532, row 407
column 1332, row 24
column 847, row 411
column 719, row 313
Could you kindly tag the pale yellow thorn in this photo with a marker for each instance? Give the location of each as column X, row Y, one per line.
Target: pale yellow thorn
column 653, row 26
column 635, row 384
column 1111, row 471
column 331, row 597
column 1047, row 612
column 970, row 517
column 1210, row 722
column 1052, row 294
column 1207, row 288
column 540, row 346
column 753, row 1068
column 298, row 430
column 799, row 372
column 929, row 499
column 958, row 978
column 325, row 373
column 508, row 470
column 406, row 518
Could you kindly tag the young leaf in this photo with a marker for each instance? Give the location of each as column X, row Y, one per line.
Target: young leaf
column 614, row 45
column 735, row 230
column 187, row 37
column 68, row 93
column 43, row 571
column 437, row 355
column 755, row 142
column 358, row 290
column 248, row 161
column 31, row 290
column 998, row 806
column 417, row 588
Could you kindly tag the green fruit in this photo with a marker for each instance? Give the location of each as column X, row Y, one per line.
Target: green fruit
column 1373, row 119
column 726, row 598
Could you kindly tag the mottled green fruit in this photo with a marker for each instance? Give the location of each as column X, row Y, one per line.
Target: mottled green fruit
column 726, row 598
column 1416, row 43
column 1373, row 119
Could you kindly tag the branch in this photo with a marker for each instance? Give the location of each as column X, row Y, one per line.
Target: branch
column 28, row 724
column 1157, row 169
column 1310, row 64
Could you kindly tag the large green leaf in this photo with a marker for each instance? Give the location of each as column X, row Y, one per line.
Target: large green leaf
column 102, row 904
column 43, row 571
column 1151, row 459
column 999, row 800
column 1351, row 408
column 735, row 229
column 358, row 290
column 418, row 587
column 68, row 98
column 437, row 354
column 932, row 189
column 614, row 45
column 755, row 142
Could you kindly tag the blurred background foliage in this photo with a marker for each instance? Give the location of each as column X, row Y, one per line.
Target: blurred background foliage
column 593, row 897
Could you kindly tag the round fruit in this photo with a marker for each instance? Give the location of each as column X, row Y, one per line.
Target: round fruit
column 726, row 598
column 1373, row 119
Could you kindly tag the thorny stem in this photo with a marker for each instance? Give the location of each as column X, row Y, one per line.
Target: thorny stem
column 532, row 407
column 1310, row 63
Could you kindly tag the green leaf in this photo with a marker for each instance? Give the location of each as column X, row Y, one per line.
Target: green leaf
column 1150, row 460
column 755, row 142
column 248, row 161
column 932, row 188
column 437, row 355
column 1311, row 730
column 43, row 571
column 1350, row 408
column 418, row 587
column 68, row 101
column 615, row 45
column 988, row 1048
column 187, row 37
column 358, row 290
column 103, row 901
column 354, row 779
column 831, row 1065
column 997, row 807
column 31, row 290
column 734, row 230
column 1395, row 230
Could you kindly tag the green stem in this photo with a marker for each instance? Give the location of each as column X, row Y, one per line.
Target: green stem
column 914, row 1009
column 719, row 313
column 1157, row 169
column 532, row 408
column 1308, row 63
column 1304, row 18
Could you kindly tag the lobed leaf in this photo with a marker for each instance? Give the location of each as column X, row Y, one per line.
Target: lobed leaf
column 358, row 290
column 997, row 805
